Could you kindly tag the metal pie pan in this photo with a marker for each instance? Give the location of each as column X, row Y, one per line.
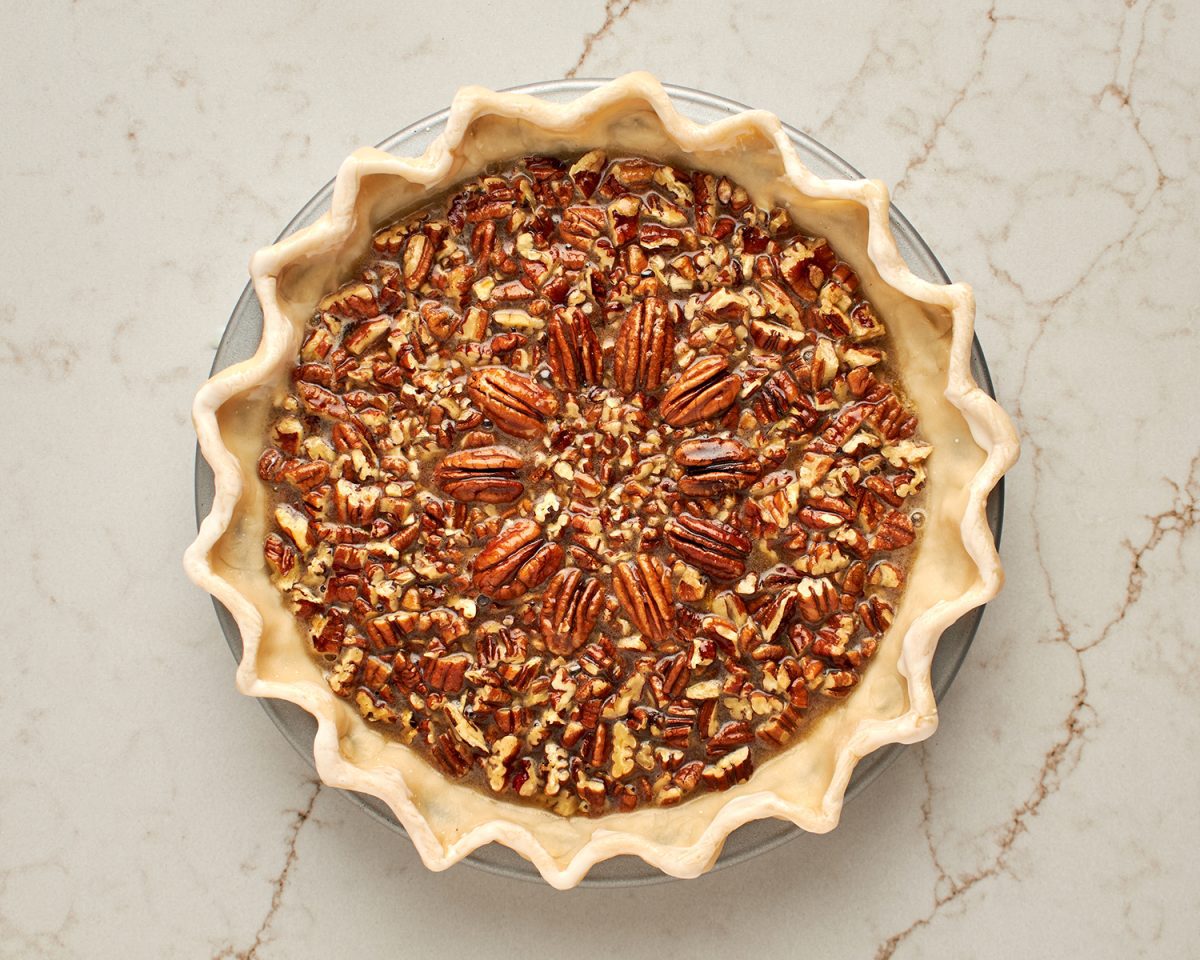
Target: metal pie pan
column 241, row 338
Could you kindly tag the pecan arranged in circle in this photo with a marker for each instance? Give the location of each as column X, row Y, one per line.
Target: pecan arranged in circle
column 514, row 402
column 715, row 465
column 481, row 475
column 715, row 547
column 645, row 346
column 572, row 349
column 704, row 391
column 644, row 588
column 515, row 561
column 570, row 607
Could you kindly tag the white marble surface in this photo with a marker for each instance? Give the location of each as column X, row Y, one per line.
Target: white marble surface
column 1048, row 152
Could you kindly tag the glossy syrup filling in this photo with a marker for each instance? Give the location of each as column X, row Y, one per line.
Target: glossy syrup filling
column 594, row 484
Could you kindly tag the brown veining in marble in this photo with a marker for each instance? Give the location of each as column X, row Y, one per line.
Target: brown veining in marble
column 1064, row 754
column 957, row 101
column 279, row 884
column 614, row 10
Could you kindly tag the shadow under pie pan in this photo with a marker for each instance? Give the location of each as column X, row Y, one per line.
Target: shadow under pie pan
column 241, row 338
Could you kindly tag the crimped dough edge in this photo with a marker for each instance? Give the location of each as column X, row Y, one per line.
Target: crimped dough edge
column 955, row 569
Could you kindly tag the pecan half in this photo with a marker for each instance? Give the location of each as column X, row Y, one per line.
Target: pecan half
column 572, row 349
column 715, row 547
column 645, row 346
column 715, row 465
column 704, row 391
column 515, row 560
column 644, row 588
column 514, row 402
column 570, row 607
column 481, row 475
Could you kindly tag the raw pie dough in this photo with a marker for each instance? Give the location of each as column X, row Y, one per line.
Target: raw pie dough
column 955, row 569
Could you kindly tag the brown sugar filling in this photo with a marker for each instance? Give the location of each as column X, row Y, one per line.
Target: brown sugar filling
column 594, row 484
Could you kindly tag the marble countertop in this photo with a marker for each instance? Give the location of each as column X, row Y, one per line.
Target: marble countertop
column 1047, row 152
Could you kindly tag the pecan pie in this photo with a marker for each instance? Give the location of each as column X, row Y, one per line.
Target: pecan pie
column 602, row 482
column 594, row 483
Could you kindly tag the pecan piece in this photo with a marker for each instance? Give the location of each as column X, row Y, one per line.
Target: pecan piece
column 352, row 300
column 645, row 346
column 279, row 555
column 644, row 588
column 817, row 598
column 570, row 607
column 732, row 768
column 304, row 474
column 895, row 531
column 572, row 349
column 732, row 733
column 481, row 475
column 892, row 420
column 715, row 547
column 704, row 391
column 515, row 560
column 586, row 172
column 623, row 218
column 715, row 465
column 581, row 226
column 780, row 395
column 514, row 402
column 774, row 337
column 452, row 755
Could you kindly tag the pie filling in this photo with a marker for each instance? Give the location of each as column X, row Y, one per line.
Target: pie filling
column 594, row 484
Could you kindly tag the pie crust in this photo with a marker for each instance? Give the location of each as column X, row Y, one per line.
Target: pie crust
column 955, row 569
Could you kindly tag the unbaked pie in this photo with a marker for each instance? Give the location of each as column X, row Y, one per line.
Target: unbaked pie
column 603, row 482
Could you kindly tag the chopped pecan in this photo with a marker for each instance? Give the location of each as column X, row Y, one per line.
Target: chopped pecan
column 774, row 337
column 875, row 614
column 352, row 300
column 453, row 756
column 585, row 172
column 731, row 769
column 895, row 531
column 623, row 218
column 279, row 555
column 816, row 598
column 891, row 419
column 446, row 673
column 581, row 226
column 732, row 733
column 781, row 395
